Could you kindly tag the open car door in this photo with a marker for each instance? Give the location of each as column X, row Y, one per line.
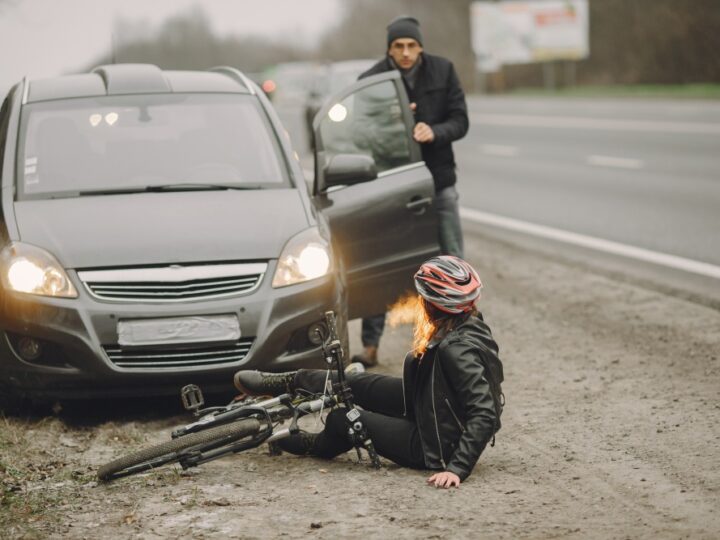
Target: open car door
column 374, row 189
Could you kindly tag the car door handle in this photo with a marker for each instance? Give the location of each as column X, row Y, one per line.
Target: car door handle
column 418, row 205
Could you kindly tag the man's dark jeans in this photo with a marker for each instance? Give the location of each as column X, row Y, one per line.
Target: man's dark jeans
column 451, row 243
column 447, row 209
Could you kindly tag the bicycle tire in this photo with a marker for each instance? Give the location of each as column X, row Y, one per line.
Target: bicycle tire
column 153, row 454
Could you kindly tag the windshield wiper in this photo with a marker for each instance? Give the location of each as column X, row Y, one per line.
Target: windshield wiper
column 169, row 187
column 198, row 186
column 122, row 191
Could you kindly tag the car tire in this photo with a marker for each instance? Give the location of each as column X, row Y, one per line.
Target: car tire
column 171, row 451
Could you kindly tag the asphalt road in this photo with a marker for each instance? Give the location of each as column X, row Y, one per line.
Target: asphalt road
column 642, row 173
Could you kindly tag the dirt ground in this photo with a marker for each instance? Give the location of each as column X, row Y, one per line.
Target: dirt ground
column 611, row 430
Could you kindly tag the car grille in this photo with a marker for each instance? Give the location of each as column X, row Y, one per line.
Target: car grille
column 173, row 283
column 199, row 288
column 188, row 356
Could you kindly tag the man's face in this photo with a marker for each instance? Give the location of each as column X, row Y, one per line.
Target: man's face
column 405, row 52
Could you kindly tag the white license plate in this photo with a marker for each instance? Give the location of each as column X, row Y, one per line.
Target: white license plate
column 200, row 329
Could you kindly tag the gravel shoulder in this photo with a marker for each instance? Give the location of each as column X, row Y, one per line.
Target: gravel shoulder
column 610, row 431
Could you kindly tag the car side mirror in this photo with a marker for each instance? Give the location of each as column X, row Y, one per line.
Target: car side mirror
column 349, row 169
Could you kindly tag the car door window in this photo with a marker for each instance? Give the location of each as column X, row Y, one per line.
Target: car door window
column 370, row 122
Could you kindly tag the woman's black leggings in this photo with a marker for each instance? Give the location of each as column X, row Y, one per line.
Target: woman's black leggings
column 381, row 397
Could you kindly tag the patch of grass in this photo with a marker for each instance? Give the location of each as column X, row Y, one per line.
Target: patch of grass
column 23, row 506
column 27, row 505
column 127, row 435
column 191, row 500
column 167, row 476
column 11, row 433
column 28, row 501
column 679, row 91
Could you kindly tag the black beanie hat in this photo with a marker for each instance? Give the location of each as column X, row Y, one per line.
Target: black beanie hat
column 404, row 27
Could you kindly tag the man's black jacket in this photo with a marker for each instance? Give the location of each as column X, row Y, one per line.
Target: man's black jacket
column 440, row 104
column 453, row 394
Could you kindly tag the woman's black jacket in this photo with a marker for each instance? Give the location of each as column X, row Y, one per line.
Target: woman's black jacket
column 457, row 403
column 441, row 104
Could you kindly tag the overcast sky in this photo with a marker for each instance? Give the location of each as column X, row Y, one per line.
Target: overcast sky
column 43, row 38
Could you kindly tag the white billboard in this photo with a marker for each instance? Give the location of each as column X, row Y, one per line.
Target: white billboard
column 520, row 32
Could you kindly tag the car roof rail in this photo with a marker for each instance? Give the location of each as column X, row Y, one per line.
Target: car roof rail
column 132, row 78
column 237, row 75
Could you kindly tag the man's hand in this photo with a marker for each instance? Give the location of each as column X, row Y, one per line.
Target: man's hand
column 444, row 479
column 423, row 133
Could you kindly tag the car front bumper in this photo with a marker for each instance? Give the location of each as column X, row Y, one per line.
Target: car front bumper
column 76, row 335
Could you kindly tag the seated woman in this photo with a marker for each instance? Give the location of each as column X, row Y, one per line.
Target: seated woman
column 444, row 410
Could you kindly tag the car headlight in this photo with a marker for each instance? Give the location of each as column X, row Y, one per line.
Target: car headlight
column 30, row 269
column 306, row 256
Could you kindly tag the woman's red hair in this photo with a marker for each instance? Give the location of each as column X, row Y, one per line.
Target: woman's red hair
column 429, row 322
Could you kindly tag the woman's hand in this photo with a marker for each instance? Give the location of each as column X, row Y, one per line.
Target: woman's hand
column 444, row 479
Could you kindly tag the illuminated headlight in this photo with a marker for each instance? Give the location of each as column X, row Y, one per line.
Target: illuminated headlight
column 306, row 256
column 29, row 269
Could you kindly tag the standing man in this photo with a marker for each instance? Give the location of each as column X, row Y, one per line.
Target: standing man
column 438, row 103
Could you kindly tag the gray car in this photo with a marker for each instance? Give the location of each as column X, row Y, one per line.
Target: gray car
column 156, row 228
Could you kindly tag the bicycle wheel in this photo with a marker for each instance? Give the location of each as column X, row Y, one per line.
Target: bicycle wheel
column 168, row 452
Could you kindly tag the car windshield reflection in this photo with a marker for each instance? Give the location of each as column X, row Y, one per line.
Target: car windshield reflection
column 146, row 143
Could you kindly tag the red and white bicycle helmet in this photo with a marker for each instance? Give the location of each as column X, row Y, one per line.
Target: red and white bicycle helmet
column 448, row 283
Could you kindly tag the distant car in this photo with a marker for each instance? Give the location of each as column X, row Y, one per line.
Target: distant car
column 334, row 77
column 289, row 83
column 156, row 229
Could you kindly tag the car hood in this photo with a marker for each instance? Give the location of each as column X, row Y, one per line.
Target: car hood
column 159, row 228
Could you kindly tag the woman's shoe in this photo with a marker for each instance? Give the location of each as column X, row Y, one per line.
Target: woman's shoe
column 262, row 383
column 300, row 444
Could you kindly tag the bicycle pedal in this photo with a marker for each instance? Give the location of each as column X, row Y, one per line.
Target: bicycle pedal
column 192, row 397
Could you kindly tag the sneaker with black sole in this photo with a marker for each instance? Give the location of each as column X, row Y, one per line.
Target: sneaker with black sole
column 368, row 358
column 300, row 444
column 353, row 368
column 263, row 383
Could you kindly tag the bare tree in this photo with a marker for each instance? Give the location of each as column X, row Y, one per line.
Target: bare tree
column 362, row 31
column 187, row 41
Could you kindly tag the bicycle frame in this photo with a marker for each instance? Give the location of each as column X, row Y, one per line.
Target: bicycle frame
column 269, row 411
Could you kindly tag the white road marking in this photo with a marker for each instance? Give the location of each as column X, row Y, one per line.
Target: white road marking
column 617, row 162
column 646, row 255
column 577, row 122
column 499, row 150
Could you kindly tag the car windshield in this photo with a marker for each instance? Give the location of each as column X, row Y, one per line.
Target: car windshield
column 143, row 142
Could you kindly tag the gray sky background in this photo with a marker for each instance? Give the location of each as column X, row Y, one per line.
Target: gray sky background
column 44, row 38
